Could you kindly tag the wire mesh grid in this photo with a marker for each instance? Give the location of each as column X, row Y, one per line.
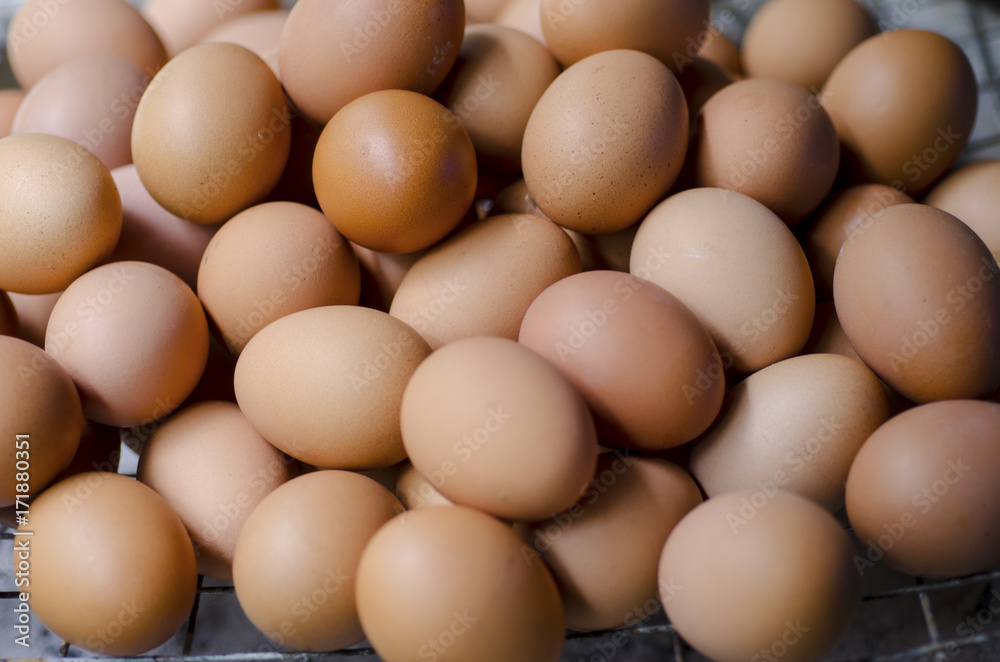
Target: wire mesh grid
column 900, row 619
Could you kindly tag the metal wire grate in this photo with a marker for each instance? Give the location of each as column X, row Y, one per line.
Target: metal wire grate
column 901, row 618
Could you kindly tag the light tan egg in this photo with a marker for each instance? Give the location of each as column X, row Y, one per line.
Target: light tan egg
column 258, row 31
column 524, row 15
column 183, row 23
column 971, row 193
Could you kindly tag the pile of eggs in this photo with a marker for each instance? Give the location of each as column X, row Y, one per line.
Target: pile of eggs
column 452, row 326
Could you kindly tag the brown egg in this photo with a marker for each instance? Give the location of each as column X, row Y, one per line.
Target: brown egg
column 481, row 281
column 773, row 573
column 499, row 76
column 877, row 98
column 699, row 80
column 523, row 15
column 415, row 491
column 795, row 425
column 662, row 28
column 801, row 41
column 95, row 526
column 324, row 385
column 213, row 469
column 605, row 549
column 10, row 101
column 737, row 267
column 61, row 214
column 606, row 141
column 606, row 331
column 917, row 295
column 211, row 135
column 33, row 311
column 828, row 335
column 494, row 426
column 270, row 261
column 133, row 337
column 844, row 212
column 152, row 234
column 90, row 100
column 921, row 493
column 258, row 31
column 296, row 564
column 334, row 52
column 8, row 317
column 381, row 274
column 41, row 421
column 183, row 23
column 296, row 183
column 770, row 140
column 482, row 11
column 971, row 194
column 716, row 47
column 452, row 583
column 394, row 171
column 43, row 35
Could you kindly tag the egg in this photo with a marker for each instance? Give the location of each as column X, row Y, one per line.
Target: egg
column 183, row 23
column 324, row 385
column 719, row 49
column 523, row 15
column 877, row 98
column 90, row 100
column 920, row 494
column 41, row 422
column 662, row 28
column 331, row 53
column 828, row 335
column 10, row 101
column 414, row 490
column 33, row 311
column 482, row 11
column 381, row 274
column 969, row 193
column 494, row 426
column 737, row 267
column 211, row 134
column 794, row 425
column 451, row 583
column 844, row 212
column 258, row 31
column 134, row 339
column 213, row 469
column 917, row 294
column 298, row 554
column 801, row 41
column 606, row 141
column 773, row 572
column 43, row 35
column 699, row 80
column 482, row 280
column 495, row 83
column 768, row 139
column 394, row 171
column 605, row 549
column 605, row 331
column 62, row 214
column 96, row 526
column 270, row 261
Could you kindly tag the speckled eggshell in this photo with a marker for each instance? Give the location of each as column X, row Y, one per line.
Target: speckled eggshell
column 301, row 546
column 324, row 385
column 42, row 404
column 499, row 76
column 494, row 426
column 662, row 28
column 98, row 525
column 183, row 23
column 606, row 141
column 211, row 135
column 737, row 267
column 604, row 550
column 458, row 571
column 918, row 296
column 646, row 366
column 795, row 425
column 334, row 52
column 259, row 31
column 394, row 171
column 922, row 493
column 41, row 36
column 61, row 213
column 843, row 213
column 768, row 139
column 270, row 261
column 482, row 280
column 133, row 337
column 10, row 101
column 877, row 97
column 972, row 194
column 801, row 41
column 213, row 469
